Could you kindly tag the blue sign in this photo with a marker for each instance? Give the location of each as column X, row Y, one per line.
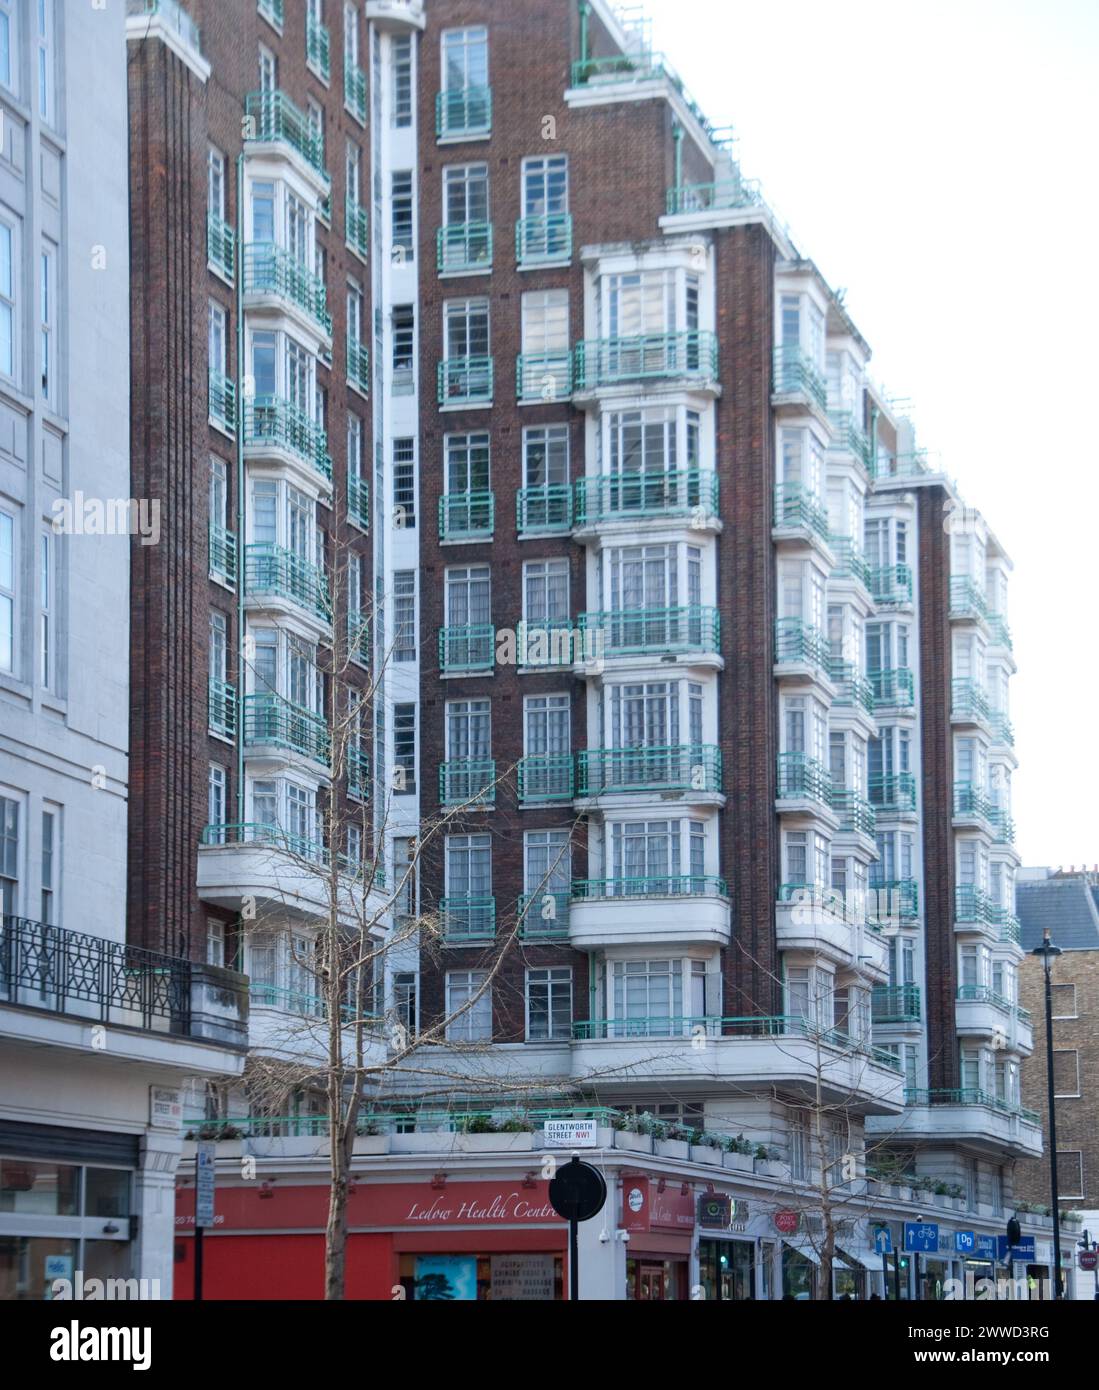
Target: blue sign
column 1024, row 1251
column 883, row 1240
column 986, row 1248
column 921, row 1236
column 965, row 1242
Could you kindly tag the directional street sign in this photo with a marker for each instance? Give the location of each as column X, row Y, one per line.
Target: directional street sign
column 883, row 1240
column 921, row 1236
column 965, row 1242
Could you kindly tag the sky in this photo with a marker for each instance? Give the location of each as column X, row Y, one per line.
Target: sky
column 938, row 161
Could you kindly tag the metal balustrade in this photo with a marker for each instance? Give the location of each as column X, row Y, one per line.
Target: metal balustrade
column 707, row 197
column 173, row 15
column 796, row 374
column 895, row 1004
column 471, row 647
column 683, row 768
column 546, row 509
column 358, row 364
column 272, row 570
column 269, row 269
column 273, row 118
column 894, row 899
column 797, row 643
column 221, row 247
column 468, row 781
column 653, row 886
column 464, row 247
column 893, row 792
column 547, row 238
column 798, row 508
column 318, row 48
column 543, row 376
column 802, row 777
column 688, row 355
column 223, row 554
column 358, row 501
column 971, row 1095
column 267, row 835
column 466, row 516
column 354, row 91
column 271, row 422
column 546, row 777
column 853, row 690
column 891, row 584
column 850, row 561
column 893, row 689
column 638, row 496
column 357, row 227
column 646, row 631
column 271, row 721
column 966, row 599
column 970, row 801
column 467, row 917
column 968, row 700
column 465, row 381
column 222, row 708
column 463, row 112
column 848, row 436
column 222, row 400
column 544, row 915
column 854, row 811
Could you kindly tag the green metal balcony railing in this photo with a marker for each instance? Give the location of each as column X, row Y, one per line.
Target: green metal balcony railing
column 468, row 781
column 463, row 112
column 318, row 48
column 468, row 648
column 1003, row 827
column 970, row 802
column 796, row 374
column 543, row 376
column 647, row 631
column 848, row 437
column 268, row 835
column 547, row 509
column 271, row 270
column 358, row 636
column 271, row 422
column 271, row 721
column 619, row 67
column 853, row 690
column 971, row 1095
column 850, row 561
column 684, row 768
column 968, row 701
column 222, row 708
column 464, row 247
column 854, row 810
column 357, row 227
column 637, row 496
column 802, row 777
column 272, row 10
column 894, row 900
column 704, row 197
column 891, row 584
column 223, row 555
column 1002, row 731
column 966, row 599
column 973, row 906
column 796, row 643
column 358, row 365
column 223, row 402
column 549, row 642
column 546, row 777
column 273, row 118
column 466, row 917
column 648, row 357
column 465, row 381
column 908, row 465
column 984, row 994
column 221, row 247
column 894, row 792
column 895, row 1004
column 543, row 239
column 655, row 886
column 466, row 516
column 1001, row 633
column 173, row 15
column 798, row 508
column 354, row 91
column 893, row 689
column 358, row 773
column 358, row 501
column 545, row 915
column 271, row 570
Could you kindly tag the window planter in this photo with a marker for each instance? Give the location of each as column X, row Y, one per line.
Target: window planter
column 633, row 1143
column 739, row 1163
column 493, row 1143
column 769, row 1167
column 366, row 1144
column 672, row 1148
column 705, row 1153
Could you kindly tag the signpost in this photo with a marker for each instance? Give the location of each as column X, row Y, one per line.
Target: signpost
column 920, row 1236
column 577, row 1193
column 883, row 1244
column 1089, row 1256
column 205, row 1183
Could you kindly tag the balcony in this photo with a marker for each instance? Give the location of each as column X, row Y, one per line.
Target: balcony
column 358, row 501
column 357, row 228
column 545, row 240
column 550, row 643
column 358, row 773
column 465, row 381
column 468, row 918
column 172, row 15
column 463, row 113
column 94, row 981
column 272, row 10
column 544, row 916
column 974, row 910
column 891, row 585
column 223, row 403
column 968, row 703
column 853, row 690
column 354, row 91
column 686, row 909
column 713, row 197
column 893, row 794
column 545, row 777
column 468, row 781
column 272, row 722
column 622, row 771
column 982, row 1012
column 895, row 1004
column 467, row 650
column 1003, row 827
column 856, row 814
column 318, row 48
column 358, row 365
column 848, row 437
column 543, row 377
column 850, row 561
column 1002, row 731
column 221, row 248
column 223, row 555
column 979, row 1118
column 464, row 248
column 674, row 357
column 274, row 119
column 632, row 497
column 273, row 273
column 619, row 67
column 222, row 708
column 1001, row 633
column 546, row 510
column 798, row 644
column 967, row 601
column 799, row 509
column 972, row 806
column 358, row 636
column 652, row 632
column 797, row 376
column 893, row 689
column 395, row 14
column 271, row 571
column 273, row 423
column 466, row 516
column 894, row 900
column 803, row 778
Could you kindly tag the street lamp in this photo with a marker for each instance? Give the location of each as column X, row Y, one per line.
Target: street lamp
column 1047, row 954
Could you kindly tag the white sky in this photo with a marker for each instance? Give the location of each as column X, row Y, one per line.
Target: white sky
column 939, row 161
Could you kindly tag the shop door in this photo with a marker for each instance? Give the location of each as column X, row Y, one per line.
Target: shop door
column 650, row 1283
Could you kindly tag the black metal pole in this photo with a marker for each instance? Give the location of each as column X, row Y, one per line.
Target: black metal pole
column 200, row 1231
column 1057, row 1290
column 897, row 1274
column 574, row 1261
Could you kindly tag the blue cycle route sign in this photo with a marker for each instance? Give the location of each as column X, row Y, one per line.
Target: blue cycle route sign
column 883, row 1240
column 921, row 1236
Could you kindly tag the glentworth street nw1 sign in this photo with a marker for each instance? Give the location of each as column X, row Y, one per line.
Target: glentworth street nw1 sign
column 571, row 1134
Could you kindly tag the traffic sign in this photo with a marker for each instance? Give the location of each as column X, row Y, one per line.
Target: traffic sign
column 922, row 1236
column 1088, row 1259
column 205, row 1154
column 1023, row 1250
column 578, row 1192
column 883, row 1240
column 965, row 1242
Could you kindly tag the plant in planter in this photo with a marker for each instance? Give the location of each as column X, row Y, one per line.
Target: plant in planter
column 479, row 1124
column 761, row 1153
column 515, row 1124
column 623, row 1122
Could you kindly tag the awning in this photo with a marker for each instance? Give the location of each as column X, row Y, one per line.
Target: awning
column 806, row 1250
column 871, row 1261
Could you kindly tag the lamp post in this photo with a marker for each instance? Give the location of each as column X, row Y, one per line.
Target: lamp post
column 1047, row 954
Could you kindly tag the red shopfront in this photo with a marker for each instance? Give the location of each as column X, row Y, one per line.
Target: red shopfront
column 659, row 1215
column 459, row 1241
